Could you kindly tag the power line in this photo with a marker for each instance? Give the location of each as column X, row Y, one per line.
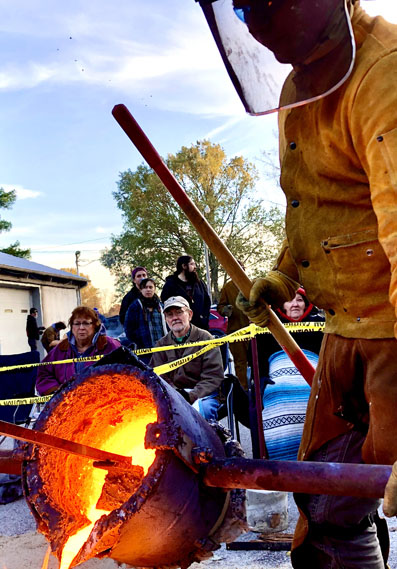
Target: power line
column 75, row 243
column 66, row 251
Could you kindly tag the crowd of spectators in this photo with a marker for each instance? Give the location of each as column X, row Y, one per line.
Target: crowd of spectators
column 179, row 316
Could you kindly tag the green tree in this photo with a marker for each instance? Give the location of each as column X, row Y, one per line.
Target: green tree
column 156, row 231
column 7, row 200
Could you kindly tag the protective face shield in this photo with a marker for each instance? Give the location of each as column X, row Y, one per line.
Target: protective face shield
column 262, row 42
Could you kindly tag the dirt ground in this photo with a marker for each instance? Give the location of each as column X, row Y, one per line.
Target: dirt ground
column 27, row 551
column 22, row 547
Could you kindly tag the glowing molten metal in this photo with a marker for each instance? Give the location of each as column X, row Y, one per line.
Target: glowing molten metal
column 114, row 417
column 127, row 438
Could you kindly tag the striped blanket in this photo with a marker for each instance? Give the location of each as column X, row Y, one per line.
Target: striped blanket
column 284, row 406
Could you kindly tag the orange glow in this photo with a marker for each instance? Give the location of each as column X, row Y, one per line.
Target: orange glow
column 113, row 418
column 128, row 441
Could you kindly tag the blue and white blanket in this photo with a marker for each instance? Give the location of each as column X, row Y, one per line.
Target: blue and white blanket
column 284, row 406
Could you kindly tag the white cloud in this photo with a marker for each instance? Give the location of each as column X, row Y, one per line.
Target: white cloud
column 223, row 127
column 164, row 54
column 22, row 193
column 163, row 49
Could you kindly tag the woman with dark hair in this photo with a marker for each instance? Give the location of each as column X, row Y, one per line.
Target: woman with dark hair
column 144, row 322
column 286, row 392
column 87, row 337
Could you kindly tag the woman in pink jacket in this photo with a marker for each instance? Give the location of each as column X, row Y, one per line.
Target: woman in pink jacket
column 87, row 337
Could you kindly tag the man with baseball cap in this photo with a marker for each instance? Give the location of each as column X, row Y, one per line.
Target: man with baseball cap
column 199, row 380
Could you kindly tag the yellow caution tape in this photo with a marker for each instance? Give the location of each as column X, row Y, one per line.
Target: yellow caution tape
column 295, row 327
column 240, row 335
column 40, row 364
column 159, row 370
column 25, row 400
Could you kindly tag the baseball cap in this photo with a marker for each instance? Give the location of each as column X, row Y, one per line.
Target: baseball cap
column 177, row 302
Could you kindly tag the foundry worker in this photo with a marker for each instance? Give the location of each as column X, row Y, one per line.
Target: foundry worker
column 338, row 156
column 87, row 337
column 199, row 380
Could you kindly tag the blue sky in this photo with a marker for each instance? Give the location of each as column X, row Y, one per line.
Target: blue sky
column 64, row 65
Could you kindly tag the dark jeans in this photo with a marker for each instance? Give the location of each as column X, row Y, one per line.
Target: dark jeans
column 33, row 344
column 342, row 534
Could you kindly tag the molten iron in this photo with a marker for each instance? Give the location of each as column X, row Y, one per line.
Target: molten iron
column 155, row 513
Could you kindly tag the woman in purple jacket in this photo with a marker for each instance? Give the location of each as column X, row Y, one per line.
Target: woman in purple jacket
column 87, row 337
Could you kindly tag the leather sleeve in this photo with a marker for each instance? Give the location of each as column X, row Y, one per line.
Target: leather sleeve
column 374, row 132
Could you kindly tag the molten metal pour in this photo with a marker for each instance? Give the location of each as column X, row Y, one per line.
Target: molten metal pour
column 128, row 439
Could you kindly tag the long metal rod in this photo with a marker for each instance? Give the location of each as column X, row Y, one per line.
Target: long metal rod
column 58, row 443
column 219, row 249
column 363, row 480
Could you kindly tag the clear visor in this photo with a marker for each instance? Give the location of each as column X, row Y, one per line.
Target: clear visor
column 258, row 76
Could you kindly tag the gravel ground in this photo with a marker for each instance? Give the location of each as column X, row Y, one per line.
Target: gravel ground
column 21, row 547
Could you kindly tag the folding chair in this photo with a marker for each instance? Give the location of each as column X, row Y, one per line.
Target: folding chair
column 235, row 407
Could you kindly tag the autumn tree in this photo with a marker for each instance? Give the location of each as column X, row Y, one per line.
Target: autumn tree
column 156, row 231
column 90, row 295
column 7, row 200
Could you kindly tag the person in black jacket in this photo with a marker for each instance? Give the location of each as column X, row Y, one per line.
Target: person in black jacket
column 185, row 282
column 137, row 275
column 32, row 330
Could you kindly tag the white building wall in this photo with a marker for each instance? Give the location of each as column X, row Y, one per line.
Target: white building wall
column 54, row 303
column 14, row 309
column 57, row 304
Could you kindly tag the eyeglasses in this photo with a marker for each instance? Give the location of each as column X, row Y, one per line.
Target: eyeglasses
column 83, row 324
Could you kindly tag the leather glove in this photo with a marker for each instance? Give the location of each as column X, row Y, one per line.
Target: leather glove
column 257, row 313
column 274, row 289
column 227, row 310
column 184, row 394
column 390, row 499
